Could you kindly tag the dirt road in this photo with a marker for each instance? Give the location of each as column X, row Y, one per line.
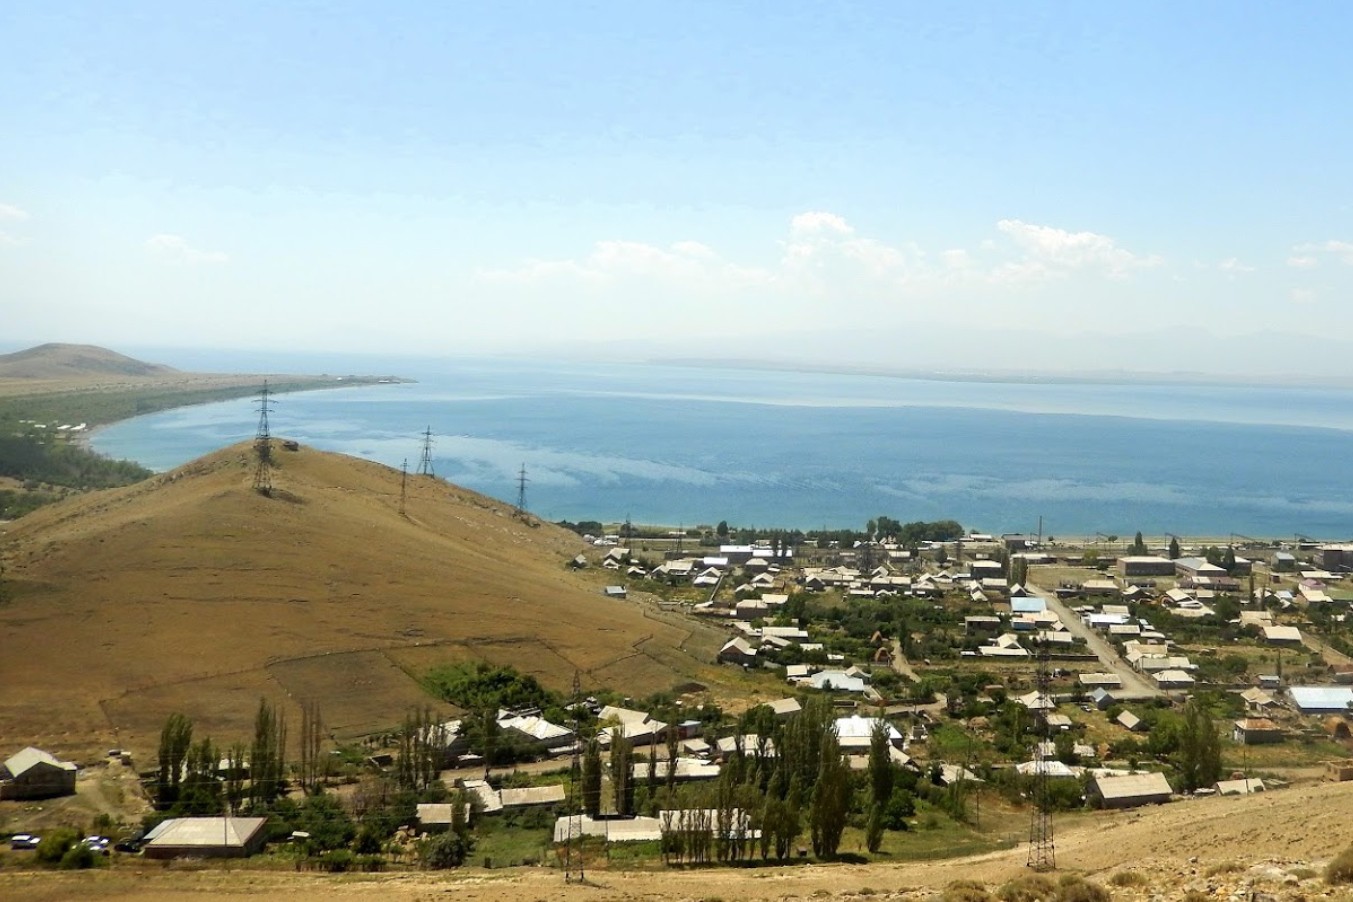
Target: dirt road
column 1135, row 685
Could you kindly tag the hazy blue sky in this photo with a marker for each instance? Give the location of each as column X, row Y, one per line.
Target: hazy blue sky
column 443, row 177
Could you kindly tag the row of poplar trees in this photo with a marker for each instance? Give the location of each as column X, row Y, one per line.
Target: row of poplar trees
column 200, row 778
column 779, row 780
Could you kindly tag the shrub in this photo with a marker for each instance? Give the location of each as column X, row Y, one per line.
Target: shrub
column 78, row 858
column 1029, row 888
column 370, row 864
column 1076, row 889
column 449, row 850
column 55, row 845
column 336, row 861
column 1128, row 878
column 965, row 891
column 1340, row 870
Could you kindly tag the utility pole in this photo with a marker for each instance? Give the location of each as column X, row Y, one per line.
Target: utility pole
column 403, row 485
column 574, row 803
column 263, row 443
column 1042, row 853
column 521, row 490
column 425, row 464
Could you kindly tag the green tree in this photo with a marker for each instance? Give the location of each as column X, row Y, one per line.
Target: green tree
column 881, row 776
column 1228, row 559
column 591, row 779
column 1138, row 546
column 622, row 772
column 176, row 737
column 267, row 757
column 1199, row 754
column 722, row 529
column 1174, row 548
column 831, row 797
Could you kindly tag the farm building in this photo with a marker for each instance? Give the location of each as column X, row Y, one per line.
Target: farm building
column 1241, row 787
column 1130, row 791
column 35, row 774
column 206, row 837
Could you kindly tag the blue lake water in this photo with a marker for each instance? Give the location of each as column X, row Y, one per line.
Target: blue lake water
column 688, row 445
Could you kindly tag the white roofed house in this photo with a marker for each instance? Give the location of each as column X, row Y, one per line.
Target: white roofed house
column 35, row 774
column 1130, row 791
column 637, row 726
column 1282, row 635
column 738, row 651
column 536, row 731
column 206, row 837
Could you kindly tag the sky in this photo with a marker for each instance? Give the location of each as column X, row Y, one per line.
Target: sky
column 1042, row 185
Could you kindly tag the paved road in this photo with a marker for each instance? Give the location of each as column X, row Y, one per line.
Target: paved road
column 1135, row 685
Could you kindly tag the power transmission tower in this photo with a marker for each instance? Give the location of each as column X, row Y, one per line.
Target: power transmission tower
column 521, row 490
column 573, row 822
column 403, row 485
column 263, row 443
column 1042, row 853
column 425, row 465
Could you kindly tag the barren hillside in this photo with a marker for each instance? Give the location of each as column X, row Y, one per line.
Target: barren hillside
column 67, row 361
column 192, row 592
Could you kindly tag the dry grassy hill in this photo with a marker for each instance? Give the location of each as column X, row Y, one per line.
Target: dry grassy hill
column 191, row 592
column 67, row 361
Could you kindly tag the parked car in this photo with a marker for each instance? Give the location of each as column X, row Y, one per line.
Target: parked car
column 24, row 841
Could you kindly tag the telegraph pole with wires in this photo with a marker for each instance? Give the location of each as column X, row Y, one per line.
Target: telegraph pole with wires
column 263, row 443
column 425, row 464
column 1042, row 852
column 403, row 485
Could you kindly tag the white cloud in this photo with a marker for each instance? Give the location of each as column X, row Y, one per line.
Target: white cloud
column 10, row 213
column 615, row 261
column 177, row 248
column 816, row 221
column 1301, row 295
column 1233, row 267
column 1060, row 252
column 1306, row 256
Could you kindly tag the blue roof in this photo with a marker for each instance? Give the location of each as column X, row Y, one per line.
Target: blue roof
column 1322, row 698
column 1029, row 604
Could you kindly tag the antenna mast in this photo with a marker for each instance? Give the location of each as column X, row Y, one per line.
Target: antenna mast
column 425, row 465
column 263, row 443
column 1042, row 853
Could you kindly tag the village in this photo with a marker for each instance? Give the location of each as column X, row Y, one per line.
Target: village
column 958, row 683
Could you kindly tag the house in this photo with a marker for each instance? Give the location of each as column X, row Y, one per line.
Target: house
column 683, row 770
column 1256, row 731
column 614, row 592
column 1130, row 791
column 838, row 681
column 785, row 707
column 532, row 796
column 1145, row 565
column 1282, row 635
column 1257, row 699
column 1241, row 787
column 440, row 815
column 1172, row 679
column 1037, row 701
column 637, row 726
column 1028, row 604
column 535, row 731
column 1194, row 567
column 35, row 774
column 1129, row 721
column 738, row 651
column 1321, row 699
column 1101, row 698
column 1284, row 562
column 1106, row 680
column 855, row 733
column 752, row 746
column 206, row 837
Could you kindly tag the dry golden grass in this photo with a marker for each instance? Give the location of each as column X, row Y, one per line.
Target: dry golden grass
column 191, row 592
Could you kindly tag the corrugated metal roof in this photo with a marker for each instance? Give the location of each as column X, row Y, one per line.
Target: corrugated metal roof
column 1133, row 786
column 1321, row 698
column 207, row 832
